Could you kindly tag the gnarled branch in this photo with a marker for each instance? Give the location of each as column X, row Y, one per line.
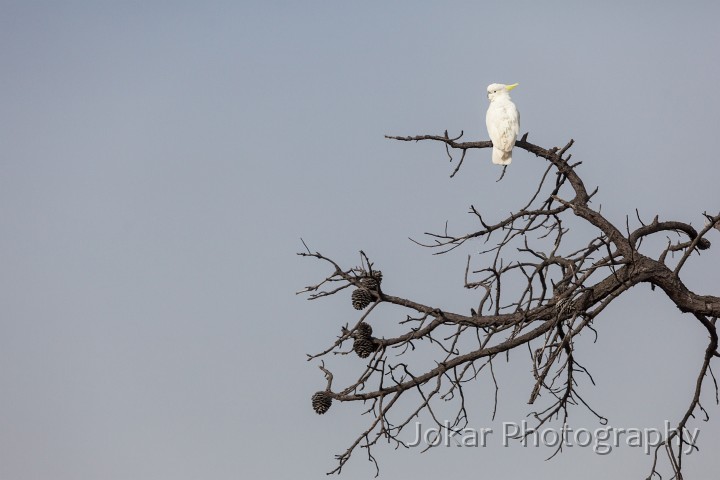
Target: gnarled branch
column 562, row 294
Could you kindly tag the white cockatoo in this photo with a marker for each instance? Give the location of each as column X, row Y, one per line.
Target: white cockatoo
column 503, row 122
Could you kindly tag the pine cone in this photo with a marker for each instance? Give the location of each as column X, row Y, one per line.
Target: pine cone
column 372, row 281
column 564, row 306
column 364, row 330
column 364, row 346
column 321, row 402
column 361, row 298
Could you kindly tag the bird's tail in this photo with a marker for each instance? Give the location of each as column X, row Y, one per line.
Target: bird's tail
column 500, row 157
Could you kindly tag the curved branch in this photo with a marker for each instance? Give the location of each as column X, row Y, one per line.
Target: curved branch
column 560, row 295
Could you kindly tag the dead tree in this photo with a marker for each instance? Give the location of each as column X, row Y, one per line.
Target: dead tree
column 563, row 291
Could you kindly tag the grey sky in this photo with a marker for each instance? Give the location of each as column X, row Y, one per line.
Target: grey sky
column 161, row 160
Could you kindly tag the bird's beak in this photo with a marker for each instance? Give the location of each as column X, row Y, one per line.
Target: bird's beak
column 510, row 87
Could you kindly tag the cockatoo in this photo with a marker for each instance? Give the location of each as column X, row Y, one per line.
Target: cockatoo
column 503, row 122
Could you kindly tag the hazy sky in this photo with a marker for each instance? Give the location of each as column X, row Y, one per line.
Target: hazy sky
column 161, row 161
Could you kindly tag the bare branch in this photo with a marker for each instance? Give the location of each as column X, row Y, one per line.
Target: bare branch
column 532, row 292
